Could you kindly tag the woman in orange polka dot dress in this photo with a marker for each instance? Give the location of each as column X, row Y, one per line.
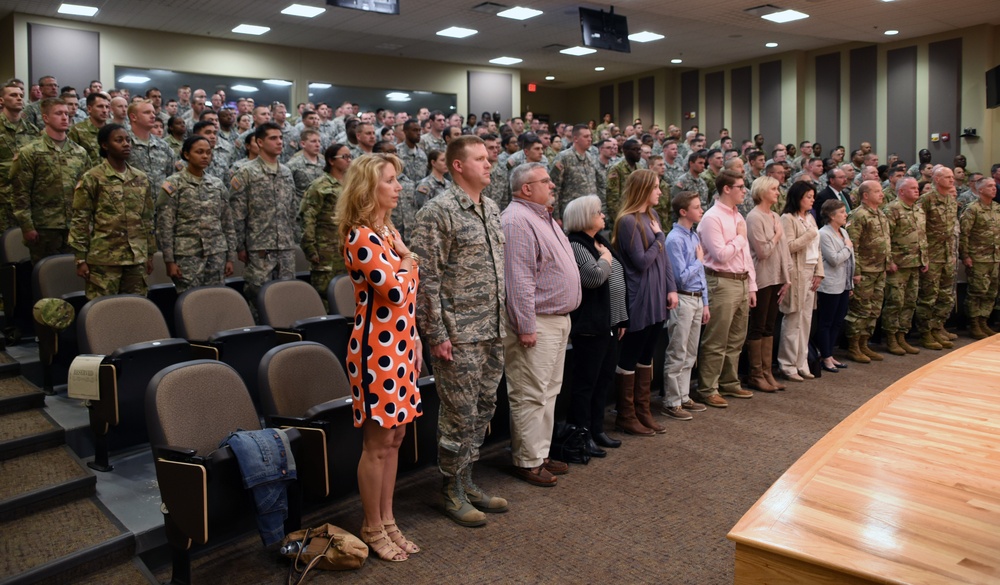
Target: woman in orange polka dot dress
column 384, row 353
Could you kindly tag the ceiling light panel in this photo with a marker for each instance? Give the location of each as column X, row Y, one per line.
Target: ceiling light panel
column 506, row 61
column 244, row 88
column 457, row 32
column 519, row 13
column 303, row 11
column 785, row 16
column 77, row 10
column 645, row 37
column 250, row 29
column 578, row 51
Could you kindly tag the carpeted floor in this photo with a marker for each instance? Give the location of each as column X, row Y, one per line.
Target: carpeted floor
column 15, row 386
column 37, row 470
column 24, row 423
column 655, row 511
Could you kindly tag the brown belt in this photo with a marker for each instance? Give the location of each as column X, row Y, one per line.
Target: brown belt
column 689, row 293
column 730, row 275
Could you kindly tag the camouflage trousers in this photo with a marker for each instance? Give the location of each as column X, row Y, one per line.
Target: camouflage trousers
column 207, row 270
column 467, row 387
column 107, row 280
column 320, row 279
column 865, row 305
column 262, row 267
column 49, row 243
column 937, row 296
column 7, row 220
column 983, row 284
column 901, row 288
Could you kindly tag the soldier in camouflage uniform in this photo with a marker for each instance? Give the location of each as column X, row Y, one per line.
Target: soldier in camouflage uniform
column 320, row 239
column 111, row 232
column 404, row 215
column 85, row 133
column 414, row 158
column 433, row 140
column 869, row 230
column 692, row 181
column 15, row 133
column 262, row 197
column 966, row 198
column 499, row 188
column 222, row 151
column 979, row 249
column 194, row 225
column 575, row 172
column 33, row 111
column 43, row 176
column 460, row 307
column 937, row 297
column 907, row 229
column 150, row 154
column 435, row 182
column 664, row 208
column 307, row 164
column 617, row 177
column 261, row 115
column 713, row 166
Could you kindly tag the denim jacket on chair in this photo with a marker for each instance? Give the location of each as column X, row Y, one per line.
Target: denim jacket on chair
column 266, row 463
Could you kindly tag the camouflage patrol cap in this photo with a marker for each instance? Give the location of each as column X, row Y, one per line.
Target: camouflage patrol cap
column 54, row 313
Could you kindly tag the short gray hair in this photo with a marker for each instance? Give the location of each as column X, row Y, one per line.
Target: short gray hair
column 578, row 214
column 519, row 176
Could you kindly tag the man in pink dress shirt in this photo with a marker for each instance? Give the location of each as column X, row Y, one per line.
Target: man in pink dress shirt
column 732, row 290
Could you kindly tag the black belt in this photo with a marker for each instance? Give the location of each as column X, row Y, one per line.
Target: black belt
column 731, row 275
column 689, row 293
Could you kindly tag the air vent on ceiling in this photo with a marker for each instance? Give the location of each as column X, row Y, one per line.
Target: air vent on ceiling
column 489, row 7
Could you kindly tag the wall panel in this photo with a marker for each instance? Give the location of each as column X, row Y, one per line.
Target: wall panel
column 828, row 101
column 901, row 86
column 864, row 83
column 945, row 99
column 741, row 96
column 715, row 98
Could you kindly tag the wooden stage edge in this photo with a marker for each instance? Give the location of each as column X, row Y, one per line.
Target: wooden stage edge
column 904, row 490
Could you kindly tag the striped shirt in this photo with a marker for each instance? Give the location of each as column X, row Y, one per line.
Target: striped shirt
column 594, row 272
column 539, row 268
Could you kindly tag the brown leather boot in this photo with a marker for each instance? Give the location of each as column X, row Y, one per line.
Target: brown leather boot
column 892, row 344
column 976, row 329
column 863, row 346
column 985, row 326
column 855, row 352
column 626, row 421
column 766, row 353
column 757, row 380
column 901, row 338
column 643, row 382
column 942, row 337
column 930, row 341
column 951, row 336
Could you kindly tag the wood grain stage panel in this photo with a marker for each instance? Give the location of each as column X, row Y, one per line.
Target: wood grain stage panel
column 905, row 490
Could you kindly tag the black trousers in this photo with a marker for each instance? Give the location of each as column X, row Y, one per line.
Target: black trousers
column 594, row 360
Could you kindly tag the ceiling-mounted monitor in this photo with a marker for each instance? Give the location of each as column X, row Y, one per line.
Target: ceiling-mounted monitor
column 604, row 30
column 379, row 6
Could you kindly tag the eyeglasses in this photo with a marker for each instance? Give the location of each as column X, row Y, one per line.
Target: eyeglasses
column 545, row 180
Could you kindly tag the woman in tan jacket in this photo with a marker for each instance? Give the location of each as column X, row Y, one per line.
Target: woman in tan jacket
column 805, row 273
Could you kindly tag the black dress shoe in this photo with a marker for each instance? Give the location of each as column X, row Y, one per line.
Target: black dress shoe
column 593, row 450
column 605, row 441
column 840, row 366
column 832, row 370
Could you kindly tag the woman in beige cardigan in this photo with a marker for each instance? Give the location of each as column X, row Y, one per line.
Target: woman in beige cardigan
column 805, row 273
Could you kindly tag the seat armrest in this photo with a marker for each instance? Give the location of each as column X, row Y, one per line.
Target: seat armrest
column 288, row 336
column 291, row 421
column 174, row 453
column 326, row 410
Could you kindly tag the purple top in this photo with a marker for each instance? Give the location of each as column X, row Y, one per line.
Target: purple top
column 648, row 272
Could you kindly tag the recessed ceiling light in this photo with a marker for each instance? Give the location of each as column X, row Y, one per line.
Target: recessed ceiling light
column 397, row 96
column 457, row 32
column 281, row 82
column 550, row 78
column 244, row 88
column 320, row 85
column 302, row 10
column 77, row 10
column 770, row 45
column 505, row 60
column 891, row 32
column 645, row 37
column 785, row 16
column 578, row 51
column 677, row 61
column 519, row 13
column 250, row 29
column 598, row 68
column 133, row 79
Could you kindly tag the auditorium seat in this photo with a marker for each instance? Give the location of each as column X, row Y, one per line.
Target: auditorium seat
column 302, row 265
column 235, row 280
column 130, row 332
column 162, row 291
column 294, row 306
column 303, row 384
column 340, row 295
column 190, row 408
column 218, row 323
column 55, row 277
column 15, row 285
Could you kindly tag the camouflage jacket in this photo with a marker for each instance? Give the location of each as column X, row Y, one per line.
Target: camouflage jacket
column 687, row 182
column 941, row 212
column 42, row 180
column 908, row 230
column 980, row 233
column 304, row 173
column 615, row 188
column 193, row 217
column 461, row 295
column 414, row 161
column 574, row 176
column 263, row 204
column 869, row 230
column 428, row 188
column 222, row 156
column 320, row 237
column 499, row 188
column 85, row 134
column 154, row 157
column 113, row 217
column 405, row 214
column 13, row 136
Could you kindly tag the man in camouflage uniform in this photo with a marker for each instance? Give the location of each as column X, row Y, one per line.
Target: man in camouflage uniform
column 907, row 229
column 262, row 197
column 43, row 175
column 979, row 249
column 33, row 111
column 433, row 139
column 404, row 216
column 15, row 133
column 971, row 196
column 194, row 229
column 618, row 176
column 289, row 135
column 414, row 158
column 85, row 133
column 111, row 232
column 222, row 151
column 889, row 188
column 261, row 115
column 713, row 166
column 692, row 181
column 320, row 239
column 307, row 164
column 460, row 311
column 869, row 230
column 499, row 188
column 673, row 161
column 150, row 154
column 937, row 296
column 575, row 172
